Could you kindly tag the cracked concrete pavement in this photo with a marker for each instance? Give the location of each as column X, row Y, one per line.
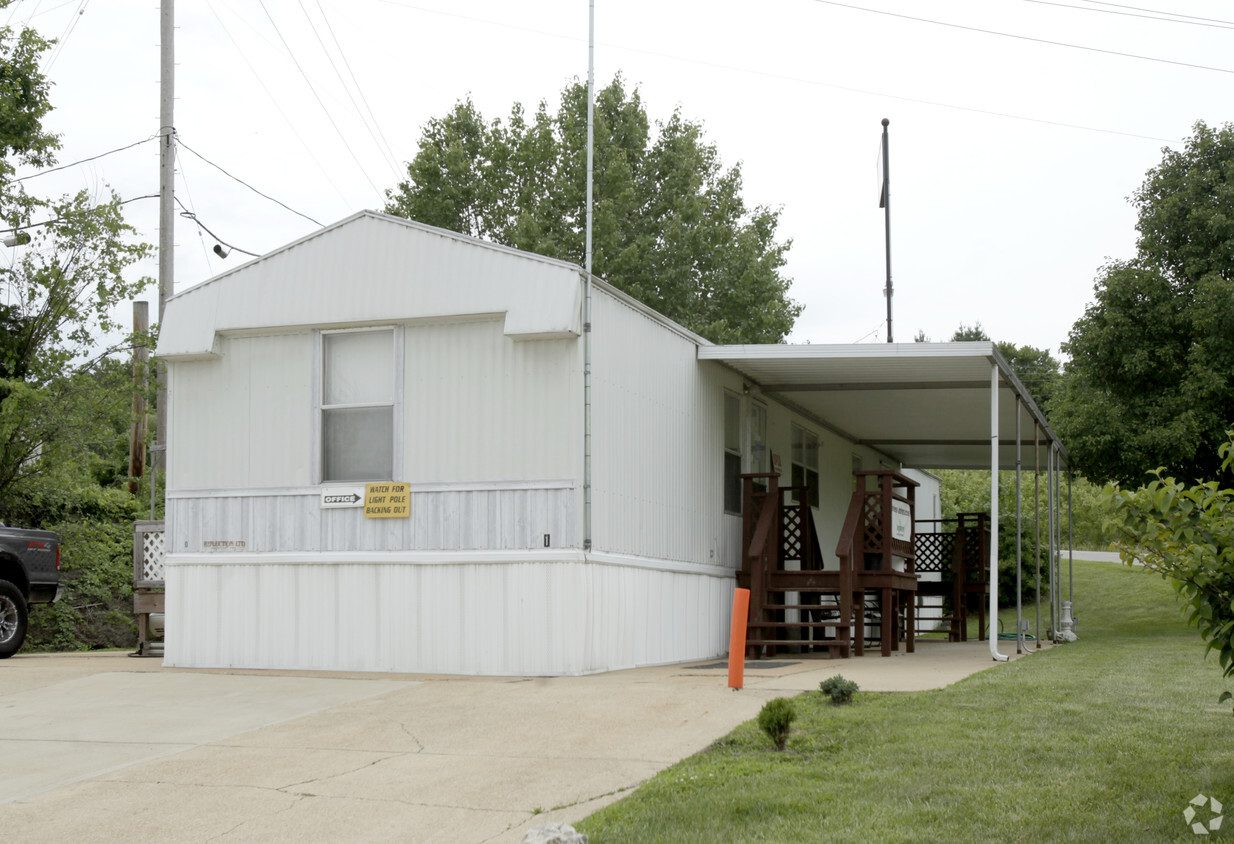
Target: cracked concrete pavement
column 103, row 747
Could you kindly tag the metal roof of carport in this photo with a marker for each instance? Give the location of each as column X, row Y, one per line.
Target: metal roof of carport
column 928, row 405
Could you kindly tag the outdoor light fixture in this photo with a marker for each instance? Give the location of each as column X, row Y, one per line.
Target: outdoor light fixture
column 15, row 239
column 221, row 250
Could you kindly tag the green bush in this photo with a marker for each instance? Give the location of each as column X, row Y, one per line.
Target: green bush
column 838, row 689
column 776, row 719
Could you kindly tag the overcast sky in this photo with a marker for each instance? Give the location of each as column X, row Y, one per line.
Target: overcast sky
column 1011, row 158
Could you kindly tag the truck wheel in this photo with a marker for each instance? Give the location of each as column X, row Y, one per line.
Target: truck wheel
column 12, row 619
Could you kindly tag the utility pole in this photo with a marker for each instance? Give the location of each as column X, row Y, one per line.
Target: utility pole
column 167, row 215
column 137, row 435
column 885, row 203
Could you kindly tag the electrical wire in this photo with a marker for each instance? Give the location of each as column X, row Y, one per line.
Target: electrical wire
column 1154, row 16
column 64, row 39
column 189, row 215
column 28, row 226
column 346, row 89
column 1030, row 38
column 1156, row 11
column 787, row 78
column 260, row 81
column 359, row 88
column 184, row 179
column 247, row 185
column 317, row 97
column 85, row 160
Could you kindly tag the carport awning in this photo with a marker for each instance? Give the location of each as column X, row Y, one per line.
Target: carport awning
column 928, row 405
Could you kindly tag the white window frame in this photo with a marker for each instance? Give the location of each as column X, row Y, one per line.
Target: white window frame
column 758, row 461
column 396, row 451
column 728, row 452
column 807, row 470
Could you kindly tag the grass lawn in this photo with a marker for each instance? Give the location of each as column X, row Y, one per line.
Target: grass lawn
column 1106, row 739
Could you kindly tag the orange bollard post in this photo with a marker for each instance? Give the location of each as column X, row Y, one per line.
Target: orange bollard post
column 737, row 639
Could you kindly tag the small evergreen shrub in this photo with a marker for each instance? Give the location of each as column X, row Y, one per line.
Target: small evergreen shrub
column 838, row 689
column 776, row 718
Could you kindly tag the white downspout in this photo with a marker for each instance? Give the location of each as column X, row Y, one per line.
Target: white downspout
column 998, row 657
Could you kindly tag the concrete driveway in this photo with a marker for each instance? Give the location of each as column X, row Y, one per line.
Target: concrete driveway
column 104, row 747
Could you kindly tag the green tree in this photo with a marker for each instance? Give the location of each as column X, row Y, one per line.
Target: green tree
column 670, row 225
column 1037, row 369
column 1186, row 534
column 63, row 407
column 1150, row 382
column 62, row 286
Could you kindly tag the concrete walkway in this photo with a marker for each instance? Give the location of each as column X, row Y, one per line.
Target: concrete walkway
column 108, row 748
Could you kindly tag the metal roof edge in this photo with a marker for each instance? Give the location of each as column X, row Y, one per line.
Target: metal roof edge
column 388, row 218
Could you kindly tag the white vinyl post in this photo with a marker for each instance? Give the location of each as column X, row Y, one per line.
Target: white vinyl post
column 998, row 657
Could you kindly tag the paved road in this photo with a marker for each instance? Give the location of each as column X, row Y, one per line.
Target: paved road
column 107, row 748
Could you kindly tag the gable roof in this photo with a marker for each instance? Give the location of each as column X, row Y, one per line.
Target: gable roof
column 373, row 268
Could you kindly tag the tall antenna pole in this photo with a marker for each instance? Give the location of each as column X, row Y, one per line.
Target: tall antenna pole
column 591, row 98
column 167, row 214
column 885, row 204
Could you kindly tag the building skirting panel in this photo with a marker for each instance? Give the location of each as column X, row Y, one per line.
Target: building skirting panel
column 519, row 617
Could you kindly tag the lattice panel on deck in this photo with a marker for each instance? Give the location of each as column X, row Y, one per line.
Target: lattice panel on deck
column 153, row 551
column 934, row 552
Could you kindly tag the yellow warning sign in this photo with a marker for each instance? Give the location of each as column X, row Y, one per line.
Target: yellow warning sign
column 387, row 500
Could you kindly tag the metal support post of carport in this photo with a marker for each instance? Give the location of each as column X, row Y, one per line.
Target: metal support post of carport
column 998, row 657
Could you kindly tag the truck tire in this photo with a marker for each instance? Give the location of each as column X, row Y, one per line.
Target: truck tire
column 13, row 618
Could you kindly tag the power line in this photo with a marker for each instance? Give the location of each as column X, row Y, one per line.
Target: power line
column 63, row 39
column 260, row 81
column 28, row 226
column 346, row 90
column 184, row 178
column 317, row 97
column 1030, row 38
column 85, row 160
column 359, row 88
column 787, row 78
column 1153, row 16
column 247, row 185
column 1155, row 11
column 189, row 215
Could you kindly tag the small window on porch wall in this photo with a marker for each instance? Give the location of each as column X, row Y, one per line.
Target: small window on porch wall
column 732, row 454
column 760, row 455
column 805, row 463
column 357, row 405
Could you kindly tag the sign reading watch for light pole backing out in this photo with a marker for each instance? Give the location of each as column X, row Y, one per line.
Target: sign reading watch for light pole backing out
column 387, row 500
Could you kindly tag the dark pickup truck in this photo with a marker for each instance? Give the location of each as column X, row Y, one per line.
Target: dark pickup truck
column 29, row 574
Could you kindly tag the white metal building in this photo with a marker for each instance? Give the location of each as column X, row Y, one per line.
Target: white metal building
column 379, row 349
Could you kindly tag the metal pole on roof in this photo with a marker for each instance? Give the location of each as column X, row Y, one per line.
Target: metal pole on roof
column 591, row 97
column 884, row 202
column 998, row 657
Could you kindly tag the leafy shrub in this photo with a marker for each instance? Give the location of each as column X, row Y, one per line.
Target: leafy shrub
column 776, row 719
column 838, row 689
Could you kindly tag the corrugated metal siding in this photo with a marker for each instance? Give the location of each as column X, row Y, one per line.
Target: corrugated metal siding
column 480, row 406
column 533, row 618
column 447, row 520
column 657, row 440
column 244, row 420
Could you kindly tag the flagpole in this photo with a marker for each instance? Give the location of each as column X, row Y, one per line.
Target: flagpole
column 885, row 204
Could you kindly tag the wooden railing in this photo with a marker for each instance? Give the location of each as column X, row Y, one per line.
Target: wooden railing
column 958, row 551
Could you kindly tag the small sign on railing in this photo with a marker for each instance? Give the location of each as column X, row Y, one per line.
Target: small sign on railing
column 901, row 521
